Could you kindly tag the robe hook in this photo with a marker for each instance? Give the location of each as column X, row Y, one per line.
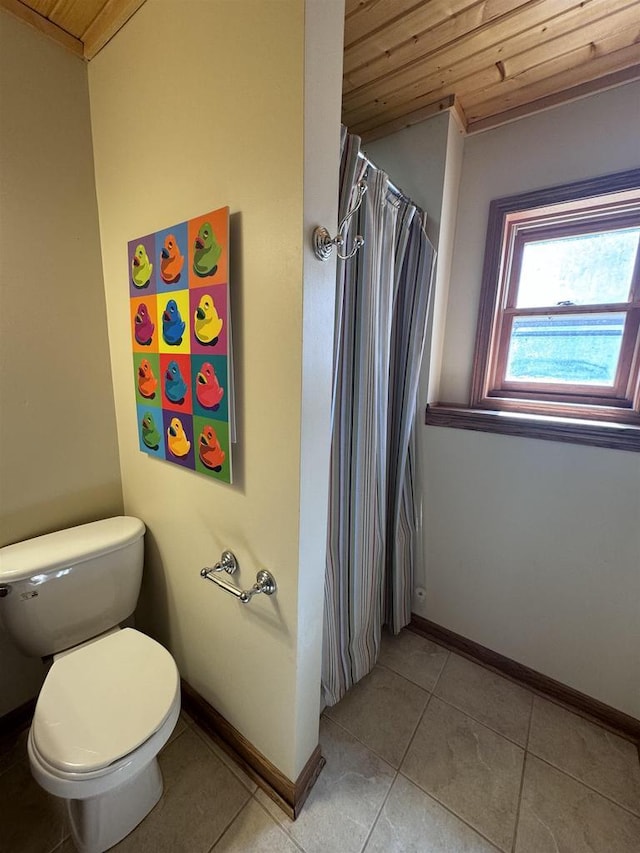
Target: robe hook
column 323, row 243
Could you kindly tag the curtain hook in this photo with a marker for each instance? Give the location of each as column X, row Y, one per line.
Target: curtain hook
column 323, row 243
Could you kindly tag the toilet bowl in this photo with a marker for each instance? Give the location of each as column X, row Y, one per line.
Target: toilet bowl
column 103, row 714
column 112, row 696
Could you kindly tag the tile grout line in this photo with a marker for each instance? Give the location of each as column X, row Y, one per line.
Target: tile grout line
column 231, row 821
column 430, row 695
column 586, row 785
column 280, row 826
column 362, row 743
column 211, row 745
column 415, row 731
column 480, row 722
column 380, row 810
column 537, row 691
column 389, row 668
column 524, row 767
column 429, row 794
column 448, row 809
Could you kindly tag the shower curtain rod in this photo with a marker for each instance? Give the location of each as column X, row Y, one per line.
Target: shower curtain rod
column 323, row 243
column 394, row 189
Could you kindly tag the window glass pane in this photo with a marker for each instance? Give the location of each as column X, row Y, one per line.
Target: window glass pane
column 584, row 270
column 578, row 348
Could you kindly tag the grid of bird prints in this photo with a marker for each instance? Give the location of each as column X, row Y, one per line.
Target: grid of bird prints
column 180, row 333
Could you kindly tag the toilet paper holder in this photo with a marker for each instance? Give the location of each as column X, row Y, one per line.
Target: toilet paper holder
column 265, row 582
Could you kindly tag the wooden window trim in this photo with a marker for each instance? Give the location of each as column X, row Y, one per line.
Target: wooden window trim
column 620, row 403
column 615, row 436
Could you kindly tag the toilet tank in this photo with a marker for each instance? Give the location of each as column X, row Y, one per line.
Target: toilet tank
column 63, row 588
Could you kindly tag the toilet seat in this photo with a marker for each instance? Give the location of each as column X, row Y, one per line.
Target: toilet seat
column 83, row 786
column 102, row 702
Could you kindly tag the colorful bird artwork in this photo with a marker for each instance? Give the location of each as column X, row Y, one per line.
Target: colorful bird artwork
column 207, row 323
column 141, row 267
column 171, row 260
column 209, row 392
column 206, row 251
column 179, row 444
column 143, row 326
column 147, row 382
column 150, row 435
column 175, row 387
column 180, row 332
column 173, row 325
column 209, row 450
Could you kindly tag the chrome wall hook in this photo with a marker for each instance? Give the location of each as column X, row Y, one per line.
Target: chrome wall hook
column 323, row 243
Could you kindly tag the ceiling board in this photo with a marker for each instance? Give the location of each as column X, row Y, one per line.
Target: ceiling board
column 495, row 56
column 74, row 16
column 405, row 59
column 81, row 26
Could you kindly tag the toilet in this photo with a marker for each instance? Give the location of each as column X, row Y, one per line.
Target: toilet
column 112, row 695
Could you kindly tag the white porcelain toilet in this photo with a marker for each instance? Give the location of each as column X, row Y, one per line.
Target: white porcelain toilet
column 112, row 696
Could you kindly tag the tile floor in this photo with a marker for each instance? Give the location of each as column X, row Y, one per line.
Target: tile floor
column 429, row 754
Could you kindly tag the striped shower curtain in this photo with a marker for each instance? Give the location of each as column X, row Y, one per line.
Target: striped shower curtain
column 382, row 300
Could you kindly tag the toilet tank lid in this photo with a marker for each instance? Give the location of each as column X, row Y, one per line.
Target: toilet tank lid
column 66, row 547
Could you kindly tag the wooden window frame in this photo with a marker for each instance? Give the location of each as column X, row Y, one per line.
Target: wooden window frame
column 581, row 207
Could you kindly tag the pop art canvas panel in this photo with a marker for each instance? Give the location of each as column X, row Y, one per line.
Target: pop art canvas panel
column 144, row 323
column 209, row 390
column 179, row 314
column 212, row 442
column 150, row 431
column 171, row 257
column 209, row 245
column 146, row 369
column 142, row 266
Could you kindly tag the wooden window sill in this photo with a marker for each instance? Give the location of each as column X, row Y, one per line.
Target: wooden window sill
column 595, row 433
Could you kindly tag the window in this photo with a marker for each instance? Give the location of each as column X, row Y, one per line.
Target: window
column 558, row 339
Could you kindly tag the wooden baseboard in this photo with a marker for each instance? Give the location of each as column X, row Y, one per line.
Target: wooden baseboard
column 582, row 704
column 290, row 796
column 18, row 719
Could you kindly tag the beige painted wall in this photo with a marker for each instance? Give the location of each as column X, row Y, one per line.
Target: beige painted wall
column 233, row 114
column 58, row 448
column 533, row 547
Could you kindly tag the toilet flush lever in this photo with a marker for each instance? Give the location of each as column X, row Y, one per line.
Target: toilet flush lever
column 265, row 582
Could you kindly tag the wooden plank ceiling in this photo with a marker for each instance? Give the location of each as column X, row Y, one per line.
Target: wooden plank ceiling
column 491, row 61
column 82, row 26
column 404, row 60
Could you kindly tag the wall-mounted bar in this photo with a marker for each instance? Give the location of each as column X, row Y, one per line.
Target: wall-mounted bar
column 265, row 582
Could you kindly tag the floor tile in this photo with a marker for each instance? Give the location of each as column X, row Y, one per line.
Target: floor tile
column 13, row 749
column 413, row 822
column 201, row 798
column 255, row 831
column 489, row 698
column 560, row 815
column 382, row 711
column 469, row 768
column 414, row 657
column 32, row 820
column 346, row 799
column 588, row 752
column 237, row 771
column 66, row 847
column 180, row 726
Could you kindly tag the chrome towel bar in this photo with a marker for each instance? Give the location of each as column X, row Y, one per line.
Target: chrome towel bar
column 265, row 582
